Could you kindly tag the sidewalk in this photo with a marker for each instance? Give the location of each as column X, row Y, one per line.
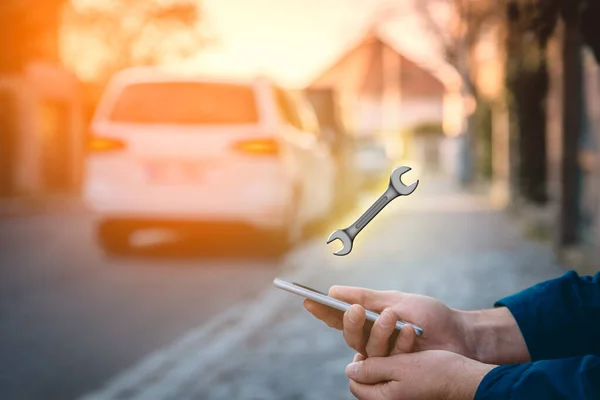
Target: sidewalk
column 541, row 225
column 19, row 206
column 439, row 242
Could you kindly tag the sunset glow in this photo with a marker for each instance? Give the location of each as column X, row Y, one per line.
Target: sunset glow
column 291, row 40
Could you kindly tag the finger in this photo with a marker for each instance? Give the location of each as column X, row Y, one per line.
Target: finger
column 406, row 341
column 354, row 333
column 379, row 391
column 358, row 357
column 374, row 300
column 373, row 370
column 332, row 317
column 378, row 344
column 363, row 392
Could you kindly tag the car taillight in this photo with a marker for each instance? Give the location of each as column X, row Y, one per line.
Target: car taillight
column 103, row 144
column 259, row 146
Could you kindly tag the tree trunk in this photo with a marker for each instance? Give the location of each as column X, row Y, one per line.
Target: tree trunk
column 527, row 85
column 530, row 90
column 482, row 125
column 572, row 113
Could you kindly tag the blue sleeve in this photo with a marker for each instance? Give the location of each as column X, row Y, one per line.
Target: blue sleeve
column 569, row 378
column 543, row 312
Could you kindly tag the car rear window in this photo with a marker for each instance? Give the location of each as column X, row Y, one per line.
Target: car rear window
column 189, row 103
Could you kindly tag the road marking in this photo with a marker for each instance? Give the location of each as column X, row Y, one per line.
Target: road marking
column 168, row 370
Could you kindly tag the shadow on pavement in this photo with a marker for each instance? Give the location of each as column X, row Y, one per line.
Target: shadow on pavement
column 223, row 241
column 241, row 245
column 218, row 244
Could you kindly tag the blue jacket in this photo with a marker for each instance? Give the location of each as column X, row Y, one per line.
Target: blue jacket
column 562, row 366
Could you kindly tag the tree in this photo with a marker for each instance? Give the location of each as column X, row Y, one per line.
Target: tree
column 527, row 84
column 456, row 26
column 580, row 21
column 528, row 24
column 28, row 30
column 586, row 12
column 457, row 32
column 101, row 38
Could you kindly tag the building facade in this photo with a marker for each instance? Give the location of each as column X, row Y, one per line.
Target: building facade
column 381, row 90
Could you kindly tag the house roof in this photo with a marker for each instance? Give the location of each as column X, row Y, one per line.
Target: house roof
column 441, row 70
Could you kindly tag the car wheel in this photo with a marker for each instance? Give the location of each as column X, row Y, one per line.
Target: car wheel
column 113, row 237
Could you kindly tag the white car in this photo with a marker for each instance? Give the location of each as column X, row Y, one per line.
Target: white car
column 167, row 148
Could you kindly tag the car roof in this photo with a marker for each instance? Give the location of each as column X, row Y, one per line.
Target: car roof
column 158, row 74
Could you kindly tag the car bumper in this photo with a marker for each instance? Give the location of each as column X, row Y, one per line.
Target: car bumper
column 260, row 209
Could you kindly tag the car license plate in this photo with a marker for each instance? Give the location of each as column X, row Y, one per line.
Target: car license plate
column 175, row 172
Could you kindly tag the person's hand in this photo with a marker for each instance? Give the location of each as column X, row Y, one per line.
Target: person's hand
column 432, row 374
column 443, row 327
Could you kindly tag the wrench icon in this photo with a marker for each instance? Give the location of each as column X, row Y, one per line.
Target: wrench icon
column 395, row 189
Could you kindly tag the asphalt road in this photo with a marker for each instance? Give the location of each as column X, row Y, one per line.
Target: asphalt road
column 70, row 318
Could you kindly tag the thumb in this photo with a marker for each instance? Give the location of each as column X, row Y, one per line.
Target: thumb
column 371, row 371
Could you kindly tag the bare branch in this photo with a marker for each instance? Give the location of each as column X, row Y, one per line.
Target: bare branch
column 440, row 33
column 458, row 36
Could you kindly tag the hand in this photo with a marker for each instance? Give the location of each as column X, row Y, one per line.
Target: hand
column 433, row 374
column 443, row 327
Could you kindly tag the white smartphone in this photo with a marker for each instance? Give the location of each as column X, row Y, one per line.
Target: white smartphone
column 324, row 299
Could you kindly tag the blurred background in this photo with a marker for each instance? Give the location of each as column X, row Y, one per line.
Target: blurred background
column 162, row 161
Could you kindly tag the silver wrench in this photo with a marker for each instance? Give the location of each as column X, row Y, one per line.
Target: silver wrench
column 395, row 189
